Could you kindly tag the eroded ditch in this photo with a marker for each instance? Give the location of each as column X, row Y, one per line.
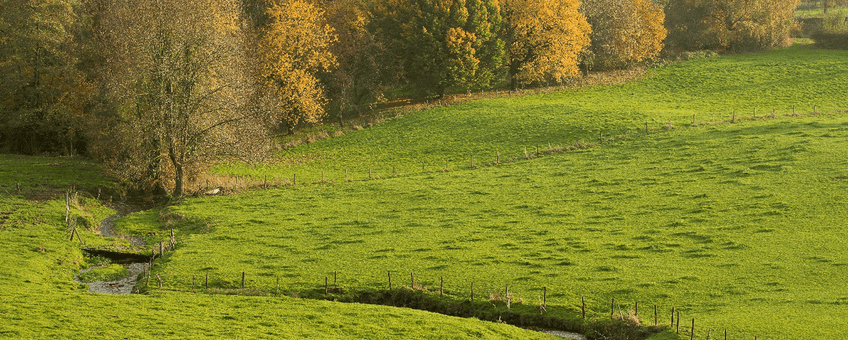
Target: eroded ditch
column 134, row 263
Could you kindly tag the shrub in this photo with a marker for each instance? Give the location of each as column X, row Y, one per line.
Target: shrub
column 833, row 32
column 738, row 25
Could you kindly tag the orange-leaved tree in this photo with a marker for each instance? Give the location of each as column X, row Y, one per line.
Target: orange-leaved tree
column 624, row 31
column 544, row 39
column 294, row 48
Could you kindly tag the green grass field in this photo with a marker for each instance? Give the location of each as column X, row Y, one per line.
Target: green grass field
column 737, row 225
column 40, row 300
column 711, row 88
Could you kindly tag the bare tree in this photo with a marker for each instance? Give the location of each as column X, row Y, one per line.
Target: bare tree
column 179, row 82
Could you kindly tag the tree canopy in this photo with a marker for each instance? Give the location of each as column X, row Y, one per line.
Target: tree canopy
column 438, row 44
column 545, row 38
column 624, row 31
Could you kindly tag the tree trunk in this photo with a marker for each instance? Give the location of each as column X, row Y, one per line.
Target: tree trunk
column 179, row 176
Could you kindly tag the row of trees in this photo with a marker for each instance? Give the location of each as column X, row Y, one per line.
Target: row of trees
column 158, row 89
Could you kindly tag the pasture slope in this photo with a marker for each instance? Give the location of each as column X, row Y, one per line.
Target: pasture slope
column 737, row 225
column 40, row 300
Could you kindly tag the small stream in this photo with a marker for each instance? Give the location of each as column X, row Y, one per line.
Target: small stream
column 123, row 285
column 567, row 335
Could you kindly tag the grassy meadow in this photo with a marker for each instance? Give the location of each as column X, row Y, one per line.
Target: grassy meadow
column 710, row 89
column 738, row 225
column 40, row 300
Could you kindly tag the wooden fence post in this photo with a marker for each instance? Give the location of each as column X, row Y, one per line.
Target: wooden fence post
column 692, row 330
column 612, row 309
column 335, row 282
column 646, row 129
column 655, row 316
column 672, row 316
column 508, row 300
column 326, row 286
column 583, row 306
column 441, row 285
column 678, row 322
column 472, row 291
column 242, row 280
column 390, row 280
column 545, row 297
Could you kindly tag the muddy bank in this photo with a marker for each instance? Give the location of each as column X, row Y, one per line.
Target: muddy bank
column 121, row 286
column 107, row 227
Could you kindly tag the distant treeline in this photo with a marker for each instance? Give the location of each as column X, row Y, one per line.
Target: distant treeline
column 159, row 89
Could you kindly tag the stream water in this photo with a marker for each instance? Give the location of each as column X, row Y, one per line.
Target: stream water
column 567, row 335
column 125, row 284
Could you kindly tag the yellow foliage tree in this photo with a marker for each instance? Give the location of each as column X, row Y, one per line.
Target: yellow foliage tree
column 361, row 70
column 624, row 31
column 294, row 48
column 544, row 39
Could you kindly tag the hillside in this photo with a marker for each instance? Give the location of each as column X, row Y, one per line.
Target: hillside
column 736, row 223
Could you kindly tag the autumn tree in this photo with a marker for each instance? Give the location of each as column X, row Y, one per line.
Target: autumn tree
column 294, row 48
column 179, row 94
column 363, row 69
column 729, row 24
column 624, row 31
column 42, row 94
column 439, row 44
column 544, row 39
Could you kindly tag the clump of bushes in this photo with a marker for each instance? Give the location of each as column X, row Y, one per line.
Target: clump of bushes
column 735, row 25
column 833, row 33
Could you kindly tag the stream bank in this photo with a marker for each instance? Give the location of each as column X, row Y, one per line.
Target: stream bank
column 135, row 264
